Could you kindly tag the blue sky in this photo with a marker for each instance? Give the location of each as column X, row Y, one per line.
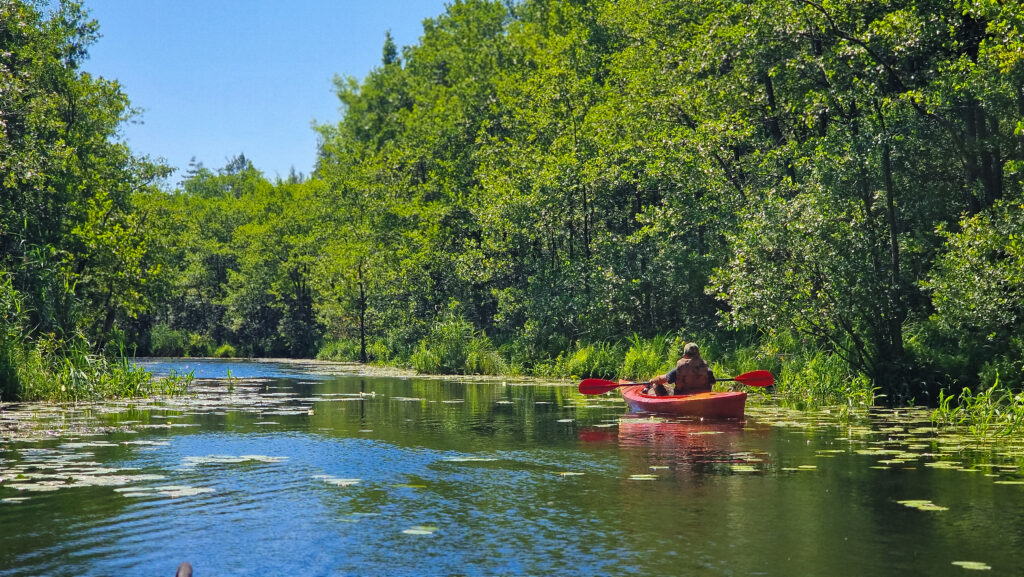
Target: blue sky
column 216, row 78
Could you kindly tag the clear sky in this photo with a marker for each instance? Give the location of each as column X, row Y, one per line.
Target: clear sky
column 216, row 78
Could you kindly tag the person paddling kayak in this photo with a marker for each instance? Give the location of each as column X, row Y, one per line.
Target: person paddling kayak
column 691, row 375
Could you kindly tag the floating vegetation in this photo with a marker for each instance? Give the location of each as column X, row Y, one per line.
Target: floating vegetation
column 922, row 505
column 172, row 491
column 38, row 487
column 336, row 481
column 230, row 460
column 973, row 565
column 944, row 465
column 421, row 530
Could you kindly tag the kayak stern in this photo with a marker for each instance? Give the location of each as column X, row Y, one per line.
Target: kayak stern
column 712, row 405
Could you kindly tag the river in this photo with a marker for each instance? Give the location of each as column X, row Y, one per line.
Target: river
column 284, row 468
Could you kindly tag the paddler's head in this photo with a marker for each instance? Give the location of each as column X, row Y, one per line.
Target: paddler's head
column 691, row 351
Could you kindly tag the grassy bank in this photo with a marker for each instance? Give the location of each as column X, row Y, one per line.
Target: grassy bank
column 45, row 367
column 63, row 372
column 805, row 378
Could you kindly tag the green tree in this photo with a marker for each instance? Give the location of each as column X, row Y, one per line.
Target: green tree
column 978, row 293
column 68, row 182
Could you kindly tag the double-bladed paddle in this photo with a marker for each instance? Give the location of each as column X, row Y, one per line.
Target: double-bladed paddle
column 751, row 379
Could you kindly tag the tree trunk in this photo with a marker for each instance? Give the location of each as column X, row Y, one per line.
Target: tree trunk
column 362, row 313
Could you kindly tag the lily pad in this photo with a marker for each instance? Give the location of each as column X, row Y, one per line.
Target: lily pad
column 973, row 565
column 173, row 491
column 421, row 530
column 922, row 505
column 230, row 460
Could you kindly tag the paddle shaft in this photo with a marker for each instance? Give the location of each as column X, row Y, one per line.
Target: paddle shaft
column 751, row 379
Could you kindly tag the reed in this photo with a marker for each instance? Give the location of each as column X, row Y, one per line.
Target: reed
column 602, row 360
column 648, row 357
column 993, row 412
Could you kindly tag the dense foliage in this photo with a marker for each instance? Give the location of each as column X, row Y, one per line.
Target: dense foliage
column 73, row 254
column 829, row 190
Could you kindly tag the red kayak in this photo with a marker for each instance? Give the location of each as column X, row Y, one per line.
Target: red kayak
column 728, row 405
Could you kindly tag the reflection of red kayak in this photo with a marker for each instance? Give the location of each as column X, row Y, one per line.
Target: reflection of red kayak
column 712, row 405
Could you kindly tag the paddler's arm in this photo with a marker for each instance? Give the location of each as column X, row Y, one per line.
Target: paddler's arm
column 669, row 377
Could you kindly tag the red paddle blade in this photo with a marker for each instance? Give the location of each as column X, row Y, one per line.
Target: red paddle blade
column 597, row 386
column 756, row 379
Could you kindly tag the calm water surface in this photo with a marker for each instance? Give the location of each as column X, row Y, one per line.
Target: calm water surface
column 312, row 469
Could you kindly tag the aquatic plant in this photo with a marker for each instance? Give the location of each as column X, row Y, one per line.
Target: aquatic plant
column 425, row 361
column 647, row 357
column 453, row 345
column 482, row 357
column 601, row 360
column 67, row 371
column 807, row 376
column 55, row 368
column 342, row 350
column 995, row 411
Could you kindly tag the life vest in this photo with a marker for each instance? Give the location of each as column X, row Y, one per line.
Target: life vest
column 692, row 376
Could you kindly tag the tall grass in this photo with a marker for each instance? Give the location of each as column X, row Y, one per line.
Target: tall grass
column 342, row 350
column 68, row 371
column 425, row 361
column 993, row 412
column 454, row 346
column 648, row 357
column 52, row 368
column 806, row 376
column 482, row 357
column 602, row 360
column 11, row 346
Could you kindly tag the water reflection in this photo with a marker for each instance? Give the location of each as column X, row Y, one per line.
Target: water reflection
column 309, row 469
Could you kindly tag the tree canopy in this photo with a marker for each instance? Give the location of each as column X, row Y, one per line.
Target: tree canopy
column 534, row 177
